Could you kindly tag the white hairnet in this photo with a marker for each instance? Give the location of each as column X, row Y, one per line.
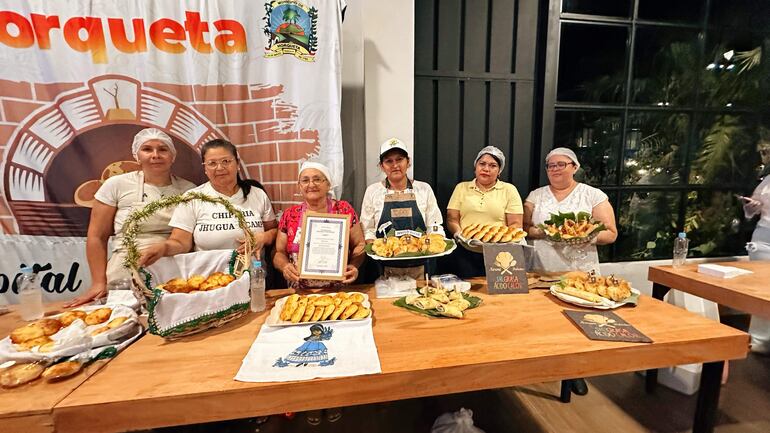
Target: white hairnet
column 491, row 150
column 564, row 152
column 318, row 166
column 148, row 134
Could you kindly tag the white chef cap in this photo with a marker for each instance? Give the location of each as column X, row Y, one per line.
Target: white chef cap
column 564, row 152
column 491, row 150
column 148, row 134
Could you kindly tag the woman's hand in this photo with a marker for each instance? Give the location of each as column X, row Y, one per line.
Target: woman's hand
column 535, row 232
column 751, row 206
column 97, row 290
column 351, row 273
column 290, row 273
column 152, row 253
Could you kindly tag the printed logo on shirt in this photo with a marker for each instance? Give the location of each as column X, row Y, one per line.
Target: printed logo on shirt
column 229, row 225
column 291, row 29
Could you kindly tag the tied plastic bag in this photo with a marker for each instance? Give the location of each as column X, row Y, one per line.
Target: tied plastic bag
column 455, row 422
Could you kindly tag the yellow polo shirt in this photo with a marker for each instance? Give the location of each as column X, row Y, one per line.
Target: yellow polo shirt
column 487, row 207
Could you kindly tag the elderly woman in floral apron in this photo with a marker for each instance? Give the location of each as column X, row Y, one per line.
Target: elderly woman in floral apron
column 121, row 195
column 314, row 182
column 399, row 204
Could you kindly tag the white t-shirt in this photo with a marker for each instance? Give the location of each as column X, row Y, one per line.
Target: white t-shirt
column 213, row 227
column 122, row 192
column 548, row 256
column 374, row 199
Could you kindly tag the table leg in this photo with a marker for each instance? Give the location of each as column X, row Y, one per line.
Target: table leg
column 566, row 391
column 708, row 397
column 651, row 378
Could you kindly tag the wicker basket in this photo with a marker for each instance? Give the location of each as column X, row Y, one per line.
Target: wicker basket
column 150, row 296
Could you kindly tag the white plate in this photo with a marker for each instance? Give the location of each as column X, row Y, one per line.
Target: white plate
column 274, row 319
column 608, row 304
column 388, row 259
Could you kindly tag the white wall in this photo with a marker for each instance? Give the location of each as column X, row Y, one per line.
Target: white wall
column 377, row 86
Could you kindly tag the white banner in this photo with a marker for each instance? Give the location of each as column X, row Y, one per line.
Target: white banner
column 60, row 262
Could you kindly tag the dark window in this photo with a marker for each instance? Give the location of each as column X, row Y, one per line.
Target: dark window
column 612, row 8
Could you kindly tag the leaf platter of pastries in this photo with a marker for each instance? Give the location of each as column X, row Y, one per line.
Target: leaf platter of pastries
column 329, row 307
column 197, row 283
column 595, row 291
column 571, row 228
column 409, row 247
column 66, row 333
column 439, row 302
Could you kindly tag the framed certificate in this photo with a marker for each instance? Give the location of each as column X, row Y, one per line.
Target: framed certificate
column 323, row 248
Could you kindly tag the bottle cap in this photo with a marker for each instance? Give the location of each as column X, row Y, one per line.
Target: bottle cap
column 256, row 262
column 682, row 235
column 27, row 270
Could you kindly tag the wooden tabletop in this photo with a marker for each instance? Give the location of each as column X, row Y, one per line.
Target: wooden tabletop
column 749, row 293
column 28, row 408
column 509, row 340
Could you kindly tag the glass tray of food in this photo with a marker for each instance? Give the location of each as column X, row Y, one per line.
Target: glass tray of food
column 410, row 247
column 69, row 333
column 475, row 236
column 586, row 289
column 439, row 302
column 319, row 308
column 571, row 228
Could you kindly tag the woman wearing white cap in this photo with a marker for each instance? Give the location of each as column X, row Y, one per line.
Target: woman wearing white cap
column 399, row 203
column 564, row 194
column 483, row 200
column 206, row 226
column 118, row 197
column 314, row 185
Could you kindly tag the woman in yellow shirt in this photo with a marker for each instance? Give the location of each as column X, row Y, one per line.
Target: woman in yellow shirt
column 484, row 200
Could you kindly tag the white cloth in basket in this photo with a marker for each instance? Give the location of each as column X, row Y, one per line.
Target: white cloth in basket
column 281, row 354
column 175, row 309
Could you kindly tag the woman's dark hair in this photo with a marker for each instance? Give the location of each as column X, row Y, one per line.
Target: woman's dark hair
column 394, row 150
column 244, row 184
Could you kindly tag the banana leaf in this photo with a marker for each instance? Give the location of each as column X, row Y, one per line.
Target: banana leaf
column 558, row 221
column 401, row 302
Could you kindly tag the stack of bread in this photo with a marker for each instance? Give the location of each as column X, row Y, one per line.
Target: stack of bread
column 38, row 333
column 197, row 283
column 338, row 306
column 493, row 233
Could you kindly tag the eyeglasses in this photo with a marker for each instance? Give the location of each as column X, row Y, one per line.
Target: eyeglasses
column 305, row 181
column 561, row 165
column 224, row 163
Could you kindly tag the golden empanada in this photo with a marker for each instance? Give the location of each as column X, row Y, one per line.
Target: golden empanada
column 114, row 323
column 68, row 317
column 98, row 316
column 195, row 282
column 30, row 344
column 26, row 333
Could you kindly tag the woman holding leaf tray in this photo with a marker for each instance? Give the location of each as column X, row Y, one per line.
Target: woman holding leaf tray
column 564, row 194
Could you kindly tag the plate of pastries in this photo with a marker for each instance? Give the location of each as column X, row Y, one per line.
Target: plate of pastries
column 408, row 247
column 491, row 234
column 571, row 228
column 330, row 307
column 587, row 289
column 49, row 336
column 439, row 302
column 197, row 283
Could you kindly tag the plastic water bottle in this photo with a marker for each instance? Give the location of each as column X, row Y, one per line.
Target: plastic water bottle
column 30, row 295
column 257, row 286
column 680, row 250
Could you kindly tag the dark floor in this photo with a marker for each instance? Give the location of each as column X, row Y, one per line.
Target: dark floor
column 615, row 403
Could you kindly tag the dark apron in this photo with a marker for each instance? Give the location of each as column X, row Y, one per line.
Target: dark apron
column 400, row 212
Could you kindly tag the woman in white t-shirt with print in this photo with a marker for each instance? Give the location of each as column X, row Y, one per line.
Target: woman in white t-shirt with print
column 564, row 194
column 118, row 197
column 204, row 226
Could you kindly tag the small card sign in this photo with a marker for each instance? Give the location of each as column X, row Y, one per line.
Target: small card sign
column 605, row 326
column 504, row 265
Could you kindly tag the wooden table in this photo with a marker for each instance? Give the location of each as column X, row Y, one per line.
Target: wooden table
column 29, row 408
column 510, row 340
column 749, row 293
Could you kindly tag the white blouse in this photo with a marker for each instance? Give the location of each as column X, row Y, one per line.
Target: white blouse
column 762, row 194
column 552, row 257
